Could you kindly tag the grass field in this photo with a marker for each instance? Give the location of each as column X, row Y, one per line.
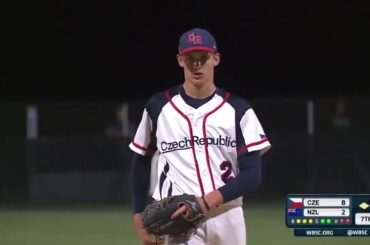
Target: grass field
column 113, row 226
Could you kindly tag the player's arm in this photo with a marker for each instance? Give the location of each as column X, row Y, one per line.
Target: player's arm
column 139, row 186
column 248, row 179
column 141, row 163
column 139, row 181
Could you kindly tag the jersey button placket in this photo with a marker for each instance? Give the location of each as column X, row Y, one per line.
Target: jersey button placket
column 204, row 172
column 198, row 132
column 191, row 116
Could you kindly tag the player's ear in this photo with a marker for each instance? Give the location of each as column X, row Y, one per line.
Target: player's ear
column 180, row 60
column 216, row 59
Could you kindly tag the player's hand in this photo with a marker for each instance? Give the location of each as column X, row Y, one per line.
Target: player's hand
column 214, row 199
column 183, row 210
column 144, row 235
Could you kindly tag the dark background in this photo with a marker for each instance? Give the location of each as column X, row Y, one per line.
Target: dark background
column 95, row 50
column 74, row 61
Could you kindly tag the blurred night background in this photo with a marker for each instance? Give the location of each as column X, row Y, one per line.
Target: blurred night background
column 66, row 67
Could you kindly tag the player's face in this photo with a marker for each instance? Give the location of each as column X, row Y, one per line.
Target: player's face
column 199, row 66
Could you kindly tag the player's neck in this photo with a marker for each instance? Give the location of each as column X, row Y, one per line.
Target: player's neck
column 199, row 92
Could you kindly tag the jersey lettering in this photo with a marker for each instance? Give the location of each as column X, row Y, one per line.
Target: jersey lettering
column 226, row 176
column 186, row 143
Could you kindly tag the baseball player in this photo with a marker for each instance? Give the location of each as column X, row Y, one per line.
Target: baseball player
column 210, row 144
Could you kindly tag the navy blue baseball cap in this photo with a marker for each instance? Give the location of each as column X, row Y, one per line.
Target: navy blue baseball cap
column 197, row 39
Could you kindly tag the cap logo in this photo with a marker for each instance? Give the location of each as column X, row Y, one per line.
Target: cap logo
column 195, row 39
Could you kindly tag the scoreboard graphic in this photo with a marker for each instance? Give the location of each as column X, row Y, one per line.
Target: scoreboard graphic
column 328, row 215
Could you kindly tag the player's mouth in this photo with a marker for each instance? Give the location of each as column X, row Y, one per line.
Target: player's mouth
column 197, row 75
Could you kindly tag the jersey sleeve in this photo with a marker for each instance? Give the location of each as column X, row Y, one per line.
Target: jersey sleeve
column 142, row 142
column 252, row 133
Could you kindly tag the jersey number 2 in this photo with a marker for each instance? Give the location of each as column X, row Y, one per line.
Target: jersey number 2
column 226, row 176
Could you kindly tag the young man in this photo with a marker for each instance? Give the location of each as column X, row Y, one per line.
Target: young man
column 210, row 144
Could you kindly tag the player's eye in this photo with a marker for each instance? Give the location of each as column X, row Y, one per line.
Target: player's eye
column 205, row 57
column 197, row 57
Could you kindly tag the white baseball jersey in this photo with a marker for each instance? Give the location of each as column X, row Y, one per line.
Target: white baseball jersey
column 198, row 147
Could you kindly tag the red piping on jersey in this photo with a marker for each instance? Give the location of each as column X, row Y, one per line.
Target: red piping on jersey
column 148, row 150
column 245, row 147
column 226, row 97
column 191, row 137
